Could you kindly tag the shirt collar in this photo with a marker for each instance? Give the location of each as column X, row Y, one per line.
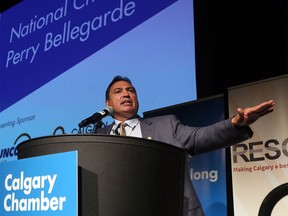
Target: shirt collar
column 131, row 122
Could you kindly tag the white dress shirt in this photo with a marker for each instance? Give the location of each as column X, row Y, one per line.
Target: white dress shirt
column 132, row 129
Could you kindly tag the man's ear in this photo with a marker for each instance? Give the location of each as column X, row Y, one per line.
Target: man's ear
column 107, row 103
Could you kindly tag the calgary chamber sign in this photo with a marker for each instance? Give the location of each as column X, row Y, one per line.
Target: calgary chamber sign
column 45, row 185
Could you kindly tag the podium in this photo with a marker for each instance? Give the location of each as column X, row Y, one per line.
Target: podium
column 120, row 176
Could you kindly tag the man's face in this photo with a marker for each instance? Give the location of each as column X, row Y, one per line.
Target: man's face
column 123, row 99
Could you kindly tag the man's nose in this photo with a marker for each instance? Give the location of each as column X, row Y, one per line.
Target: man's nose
column 126, row 93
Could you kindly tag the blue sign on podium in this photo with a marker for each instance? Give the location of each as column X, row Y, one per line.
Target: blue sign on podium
column 43, row 185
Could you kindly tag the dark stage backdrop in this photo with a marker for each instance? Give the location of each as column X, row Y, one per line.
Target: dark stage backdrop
column 243, row 41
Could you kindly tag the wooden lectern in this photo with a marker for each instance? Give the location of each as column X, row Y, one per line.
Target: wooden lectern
column 120, row 176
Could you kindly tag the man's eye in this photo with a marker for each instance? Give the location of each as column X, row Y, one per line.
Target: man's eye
column 131, row 90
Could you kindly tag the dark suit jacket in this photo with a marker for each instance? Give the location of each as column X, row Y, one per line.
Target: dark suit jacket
column 194, row 140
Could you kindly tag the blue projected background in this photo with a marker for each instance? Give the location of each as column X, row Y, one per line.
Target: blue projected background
column 58, row 57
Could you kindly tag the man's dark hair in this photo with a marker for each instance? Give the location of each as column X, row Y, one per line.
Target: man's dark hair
column 116, row 79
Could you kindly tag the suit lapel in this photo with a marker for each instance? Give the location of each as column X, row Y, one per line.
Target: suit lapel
column 105, row 130
column 147, row 128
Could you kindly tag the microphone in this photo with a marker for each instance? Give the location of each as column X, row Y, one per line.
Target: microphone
column 96, row 117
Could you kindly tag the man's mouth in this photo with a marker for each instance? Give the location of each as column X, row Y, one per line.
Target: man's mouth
column 126, row 102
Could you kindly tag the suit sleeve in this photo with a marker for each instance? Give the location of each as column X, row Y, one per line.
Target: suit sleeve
column 198, row 140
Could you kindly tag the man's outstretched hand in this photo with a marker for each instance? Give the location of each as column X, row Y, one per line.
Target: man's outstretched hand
column 249, row 115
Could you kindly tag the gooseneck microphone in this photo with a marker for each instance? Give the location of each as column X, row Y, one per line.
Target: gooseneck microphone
column 96, row 117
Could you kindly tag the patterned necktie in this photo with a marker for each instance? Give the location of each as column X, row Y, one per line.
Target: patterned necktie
column 122, row 129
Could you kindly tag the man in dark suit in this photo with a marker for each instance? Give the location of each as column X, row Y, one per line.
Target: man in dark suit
column 122, row 97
